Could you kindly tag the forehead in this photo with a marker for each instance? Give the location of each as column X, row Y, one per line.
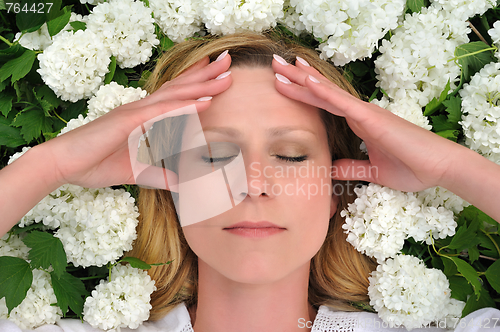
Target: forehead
column 252, row 101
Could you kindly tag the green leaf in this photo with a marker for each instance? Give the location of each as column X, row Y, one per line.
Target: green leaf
column 74, row 109
column 460, row 288
column 46, row 250
column 120, row 77
column 473, row 56
column 5, row 103
column 46, row 94
column 415, row 6
column 476, row 302
column 77, row 25
column 69, row 291
column 468, row 272
column 33, row 123
column 493, row 275
column 57, row 24
column 15, row 51
column 473, row 253
column 450, row 268
column 18, row 67
column 449, row 134
column 10, row 137
column 15, row 280
column 454, row 109
column 440, row 123
column 434, row 104
column 55, row 9
column 2, row 5
column 463, row 238
column 111, row 70
column 28, row 20
column 165, row 43
column 136, row 263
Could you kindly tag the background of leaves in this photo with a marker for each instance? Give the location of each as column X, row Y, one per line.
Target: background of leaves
column 30, row 114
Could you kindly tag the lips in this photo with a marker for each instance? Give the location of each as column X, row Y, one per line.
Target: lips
column 251, row 224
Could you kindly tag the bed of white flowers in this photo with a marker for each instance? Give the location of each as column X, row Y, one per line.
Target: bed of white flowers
column 64, row 63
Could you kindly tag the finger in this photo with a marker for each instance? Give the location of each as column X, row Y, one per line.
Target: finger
column 351, row 169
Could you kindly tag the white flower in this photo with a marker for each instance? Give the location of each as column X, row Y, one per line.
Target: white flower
column 229, row 16
column 495, row 33
column 12, row 245
column 417, row 61
column 123, row 301
column 463, row 9
column 404, row 292
column 377, row 222
column 481, row 115
column 126, row 28
column 74, row 66
column 110, row 96
column 37, row 308
column 406, row 108
column 92, row 2
column 99, row 226
column 40, row 39
column 380, row 219
column 351, row 29
column 74, row 123
column 291, row 19
column 16, row 155
column 178, row 19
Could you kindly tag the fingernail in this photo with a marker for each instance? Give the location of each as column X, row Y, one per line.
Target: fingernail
column 314, row 79
column 222, row 55
column 302, row 61
column 280, row 60
column 204, row 98
column 283, row 79
column 223, row 75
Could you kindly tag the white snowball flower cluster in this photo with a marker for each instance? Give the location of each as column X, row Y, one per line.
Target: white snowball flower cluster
column 405, row 292
column 126, row 28
column 291, row 19
column 481, row 113
column 40, row 39
column 37, row 308
column 99, row 226
column 463, row 9
column 95, row 226
column 416, row 62
column 380, row 219
column 229, row 16
column 407, row 109
column 16, row 155
column 495, row 37
column 110, row 96
column 123, row 301
column 350, row 30
column 92, row 2
column 75, row 64
column 12, row 245
column 178, row 19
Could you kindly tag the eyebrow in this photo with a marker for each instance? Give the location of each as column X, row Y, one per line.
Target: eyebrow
column 271, row 132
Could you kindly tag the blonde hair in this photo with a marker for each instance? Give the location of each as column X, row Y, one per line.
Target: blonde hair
column 338, row 274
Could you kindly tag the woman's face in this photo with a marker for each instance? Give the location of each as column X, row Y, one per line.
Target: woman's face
column 293, row 194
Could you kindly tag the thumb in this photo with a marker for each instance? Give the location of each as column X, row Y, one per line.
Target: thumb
column 352, row 169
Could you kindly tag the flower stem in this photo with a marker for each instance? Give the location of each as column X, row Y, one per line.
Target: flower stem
column 90, row 278
column 473, row 53
column 5, row 40
column 477, row 33
column 492, row 240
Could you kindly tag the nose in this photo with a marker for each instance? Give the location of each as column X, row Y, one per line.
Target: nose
column 260, row 179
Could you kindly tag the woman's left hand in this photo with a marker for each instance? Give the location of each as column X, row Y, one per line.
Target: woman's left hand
column 402, row 155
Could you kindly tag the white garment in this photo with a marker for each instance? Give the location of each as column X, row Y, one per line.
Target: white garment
column 327, row 320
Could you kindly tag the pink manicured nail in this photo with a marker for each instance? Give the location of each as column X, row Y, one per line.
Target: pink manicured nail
column 314, row 79
column 223, row 75
column 204, row 98
column 280, row 60
column 302, row 61
column 283, row 79
column 222, row 55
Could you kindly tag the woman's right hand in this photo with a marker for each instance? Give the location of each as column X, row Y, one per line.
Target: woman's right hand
column 96, row 155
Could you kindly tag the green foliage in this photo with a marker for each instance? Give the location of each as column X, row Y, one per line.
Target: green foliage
column 415, row 6
column 70, row 292
column 46, row 250
column 15, row 280
column 473, row 56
